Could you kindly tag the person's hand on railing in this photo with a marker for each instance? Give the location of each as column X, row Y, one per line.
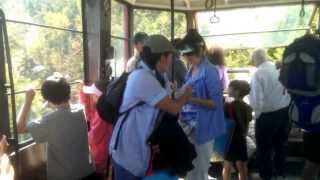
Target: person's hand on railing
column 30, row 93
column 22, row 117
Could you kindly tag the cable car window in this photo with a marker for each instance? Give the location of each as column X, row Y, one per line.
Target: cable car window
column 119, row 37
column 159, row 22
column 44, row 37
column 120, row 56
column 60, row 13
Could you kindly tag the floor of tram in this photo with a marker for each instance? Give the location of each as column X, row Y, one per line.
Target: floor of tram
column 293, row 170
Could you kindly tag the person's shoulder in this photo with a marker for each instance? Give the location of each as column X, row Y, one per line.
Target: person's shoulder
column 244, row 106
column 210, row 68
column 233, row 103
column 132, row 59
column 77, row 112
column 49, row 115
column 211, row 72
column 229, row 105
column 140, row 75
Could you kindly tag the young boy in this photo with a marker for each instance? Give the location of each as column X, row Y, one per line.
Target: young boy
column 242, row 115
column 64, row 131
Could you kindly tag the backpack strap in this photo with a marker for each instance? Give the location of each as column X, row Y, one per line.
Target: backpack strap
column 126, row 113
column 140, row 103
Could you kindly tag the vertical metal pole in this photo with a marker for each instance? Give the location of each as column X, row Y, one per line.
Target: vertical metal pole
column 96, row 17
column 12, row 90
column 172, row 39
column 130, row 28
column 85, row 42
column 105, row 36
column 4, row 110
column 126, row 32
column 318, row 29
column 172, row 20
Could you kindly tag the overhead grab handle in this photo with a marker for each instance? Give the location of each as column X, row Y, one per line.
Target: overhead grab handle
column 212, row 4
column 209, row 4
column 214, row 19
column 302, row 11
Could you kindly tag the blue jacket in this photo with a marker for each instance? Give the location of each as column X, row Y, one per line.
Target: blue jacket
column 206, row 85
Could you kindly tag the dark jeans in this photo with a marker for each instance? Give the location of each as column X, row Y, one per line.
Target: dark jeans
column 119, row 173
column 272, row 130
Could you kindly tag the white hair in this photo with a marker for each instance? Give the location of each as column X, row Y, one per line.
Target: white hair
column 259, row 56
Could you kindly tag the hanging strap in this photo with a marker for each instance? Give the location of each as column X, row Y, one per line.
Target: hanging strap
column 302, row 11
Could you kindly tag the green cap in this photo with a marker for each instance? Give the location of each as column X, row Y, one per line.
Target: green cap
column 159, row 44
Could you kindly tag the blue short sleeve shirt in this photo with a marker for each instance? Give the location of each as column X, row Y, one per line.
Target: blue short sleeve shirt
column 132, row 152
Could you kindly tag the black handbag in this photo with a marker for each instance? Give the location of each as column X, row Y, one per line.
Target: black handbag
column 174, row 150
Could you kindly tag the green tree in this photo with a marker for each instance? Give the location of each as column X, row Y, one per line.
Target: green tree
column 159, row 22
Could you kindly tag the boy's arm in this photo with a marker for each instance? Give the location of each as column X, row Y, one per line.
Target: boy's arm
column 24, row 112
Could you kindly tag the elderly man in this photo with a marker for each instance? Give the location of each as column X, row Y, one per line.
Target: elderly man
column 270, row 104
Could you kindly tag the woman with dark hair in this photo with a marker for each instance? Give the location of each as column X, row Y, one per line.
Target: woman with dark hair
column 216, row 57
column 129, row 146
column 204, row 112
column 177, row 70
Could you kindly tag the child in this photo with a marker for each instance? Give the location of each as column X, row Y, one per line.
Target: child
column 64, row 131
column 99, row 131
column 242, row 115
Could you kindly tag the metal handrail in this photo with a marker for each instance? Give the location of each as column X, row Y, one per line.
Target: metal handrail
column 233, row 71
column 258, row 32
column 36, row 89
column 44, row 26
column 13, row 99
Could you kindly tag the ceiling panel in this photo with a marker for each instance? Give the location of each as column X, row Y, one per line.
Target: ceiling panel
column 221, row 4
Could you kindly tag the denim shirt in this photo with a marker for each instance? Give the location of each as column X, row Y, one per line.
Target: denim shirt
column 207, row 85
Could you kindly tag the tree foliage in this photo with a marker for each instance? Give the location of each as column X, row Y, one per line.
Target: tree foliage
column 159, row 22
column 38, row 52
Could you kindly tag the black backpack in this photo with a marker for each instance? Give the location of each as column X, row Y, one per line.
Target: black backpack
column 300, row 75
column 109, row 103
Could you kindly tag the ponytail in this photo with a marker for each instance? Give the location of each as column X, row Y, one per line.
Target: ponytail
column 151, row 60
